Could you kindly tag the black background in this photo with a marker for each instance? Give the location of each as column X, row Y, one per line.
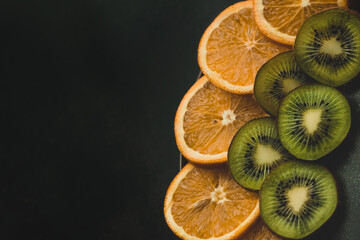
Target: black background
column 89, row 91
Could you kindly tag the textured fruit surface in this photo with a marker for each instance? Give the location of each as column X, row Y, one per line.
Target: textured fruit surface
column 232, row 49
column 297, row 198
column 276, row 78
column 260, row 232
column 313, row 120
column 208, row 203
column 255, row 151
column 281, row 20
column 327, row 47
column 207, row 120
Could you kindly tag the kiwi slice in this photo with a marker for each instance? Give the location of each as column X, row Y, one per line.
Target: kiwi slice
column 313, row 120
column 327, row 47
column 254, row 151
column 276, row 78
column 297, row 198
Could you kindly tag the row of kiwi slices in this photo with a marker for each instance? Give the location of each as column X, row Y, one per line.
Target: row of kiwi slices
column 309, row 119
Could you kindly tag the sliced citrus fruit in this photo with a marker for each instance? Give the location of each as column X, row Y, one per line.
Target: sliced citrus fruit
column 209, row 204
column 280, row 20
column 232, row 49
column 208, row 118
column 260, row 232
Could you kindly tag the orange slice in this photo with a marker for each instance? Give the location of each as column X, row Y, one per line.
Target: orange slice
column 260, row 232
column 280, row 20
column 209, row 204
column 232, row 49
column 207, row 120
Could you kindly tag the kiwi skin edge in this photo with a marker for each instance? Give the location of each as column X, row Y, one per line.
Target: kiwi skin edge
column 227, row 162
column 265, row 110
column 253, row 190
column 322, row 226
column 321, row 78
column 348, row 125
column 325, row 224
column 258, row 91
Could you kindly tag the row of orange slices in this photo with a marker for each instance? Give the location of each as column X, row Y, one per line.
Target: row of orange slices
column 203, row 203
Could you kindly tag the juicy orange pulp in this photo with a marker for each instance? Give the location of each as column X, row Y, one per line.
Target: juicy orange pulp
column 206, row 203
column 246, row 48
column 210, row 127
column 233, row 48
column 289, row 15
column 260, row 232
column 281, row 20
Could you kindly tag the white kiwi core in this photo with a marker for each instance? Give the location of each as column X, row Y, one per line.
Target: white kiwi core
column 331, row 47
column 297, row 197
column 265, row 154
column 290, row 84
column 311, row 119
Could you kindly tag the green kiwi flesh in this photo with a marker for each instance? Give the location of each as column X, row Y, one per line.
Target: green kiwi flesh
column 297, row 198
column 327, row 47
column 254, row 151
column 313, row 120
column 276, row 78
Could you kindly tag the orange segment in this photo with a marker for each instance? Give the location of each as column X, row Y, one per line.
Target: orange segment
column 260, row 232
column 280, row 20
column 207, row 120
column 208, row 203
column 232, row 49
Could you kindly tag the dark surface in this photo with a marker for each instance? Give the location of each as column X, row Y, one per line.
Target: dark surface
column 89, row 91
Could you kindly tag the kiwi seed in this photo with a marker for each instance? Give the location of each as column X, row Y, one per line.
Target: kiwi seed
column 327, row 47
column 313, row 120
column 254, row 151
column 297, row 198
column 276, row 78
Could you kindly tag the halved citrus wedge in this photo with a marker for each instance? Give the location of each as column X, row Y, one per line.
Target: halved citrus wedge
column 209, row 204
column 260, row 231
column 280, row 20
column 233, row 48
column 207, row 120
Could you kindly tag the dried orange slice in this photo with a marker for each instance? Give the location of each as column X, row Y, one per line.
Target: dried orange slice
column 207, row 120
column 260, row 232
column 209, row 204
column 280, row 20
column 232, row 49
